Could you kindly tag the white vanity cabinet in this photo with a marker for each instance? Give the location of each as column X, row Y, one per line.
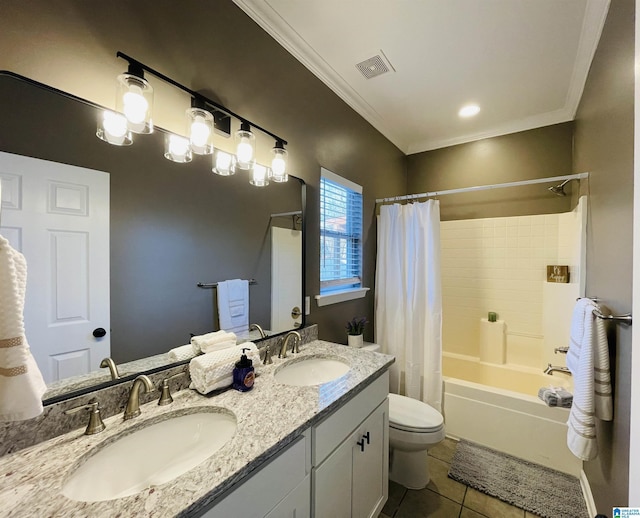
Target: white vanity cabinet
column 351, row 457
column 280, row 489
column 338, row 468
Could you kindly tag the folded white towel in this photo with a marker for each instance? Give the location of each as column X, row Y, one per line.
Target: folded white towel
column 21, row 382
column 233, row 304
column 184, row 352
column 215, row 341
column 588, row 361
column 214, row 370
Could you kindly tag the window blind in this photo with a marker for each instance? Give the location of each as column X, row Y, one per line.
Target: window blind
column 340, row 233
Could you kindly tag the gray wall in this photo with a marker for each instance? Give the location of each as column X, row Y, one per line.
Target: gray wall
column 537, row 153
column 216, row 48
column 604, row 146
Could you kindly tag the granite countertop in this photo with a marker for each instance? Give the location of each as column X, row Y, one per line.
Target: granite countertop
column 269, row 417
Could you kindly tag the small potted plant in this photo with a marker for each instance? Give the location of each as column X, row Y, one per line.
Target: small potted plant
column 355, row 328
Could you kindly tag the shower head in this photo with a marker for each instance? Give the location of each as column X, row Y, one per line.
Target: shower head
column 558, row 190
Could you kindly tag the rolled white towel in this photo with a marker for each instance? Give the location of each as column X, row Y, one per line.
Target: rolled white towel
column 184, row 352
column 213, row 341
column 214, row 370
column 207, row 347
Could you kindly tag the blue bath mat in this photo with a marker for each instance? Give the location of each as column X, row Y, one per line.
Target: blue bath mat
column 534, row 488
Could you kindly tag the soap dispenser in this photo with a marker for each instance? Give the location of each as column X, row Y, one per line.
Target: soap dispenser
column 243, row 373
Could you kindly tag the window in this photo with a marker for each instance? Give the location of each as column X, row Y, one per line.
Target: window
column 340, row 239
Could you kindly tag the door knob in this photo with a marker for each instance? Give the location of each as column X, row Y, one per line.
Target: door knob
column 295, row 312
column 99, row 332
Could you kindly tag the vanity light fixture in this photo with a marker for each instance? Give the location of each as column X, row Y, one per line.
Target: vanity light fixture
column 260, row 175
column 177, row 148
column 134, row 99
column 245, row 146
column 134, row 104
column 469, row 110
column 224, row 163
column 113, row 128
column 279, row 163
column 200, row 127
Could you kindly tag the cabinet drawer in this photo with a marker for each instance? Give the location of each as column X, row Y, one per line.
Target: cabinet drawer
column 328, row 434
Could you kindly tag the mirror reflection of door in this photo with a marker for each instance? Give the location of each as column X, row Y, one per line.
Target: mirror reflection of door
column 57, row 215
column 286, row 272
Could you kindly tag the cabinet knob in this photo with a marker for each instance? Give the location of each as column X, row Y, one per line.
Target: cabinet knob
column 361, row 444
column 366, row 436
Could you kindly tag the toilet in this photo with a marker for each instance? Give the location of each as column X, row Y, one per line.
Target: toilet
column 414, row 428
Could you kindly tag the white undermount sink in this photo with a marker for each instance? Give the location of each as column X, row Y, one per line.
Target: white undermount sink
column 150, row 456
column 309, row 371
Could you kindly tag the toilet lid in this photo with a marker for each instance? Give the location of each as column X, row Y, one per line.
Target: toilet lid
column 412, row 415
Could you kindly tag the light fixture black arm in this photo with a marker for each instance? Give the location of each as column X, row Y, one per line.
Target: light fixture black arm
column 138, row 65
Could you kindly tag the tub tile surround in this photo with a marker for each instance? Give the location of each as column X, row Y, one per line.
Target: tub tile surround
column 269, row 417
column 499, row 264
column 15, row 436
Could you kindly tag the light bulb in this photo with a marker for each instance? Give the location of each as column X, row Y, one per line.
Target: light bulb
column 178, row 146
column 245, row 147
column 115, row 124
column 113, row 129
column 177, row 149
column 260, row 176
column 223, row 164
column 245, row 151
column 135, row 105
column 200, row 132
column 278, row 166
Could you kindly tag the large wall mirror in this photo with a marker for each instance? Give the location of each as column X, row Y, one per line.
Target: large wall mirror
column 165, row 227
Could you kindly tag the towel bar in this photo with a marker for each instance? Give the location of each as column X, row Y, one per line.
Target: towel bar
column 625, row 319
column 215, row 284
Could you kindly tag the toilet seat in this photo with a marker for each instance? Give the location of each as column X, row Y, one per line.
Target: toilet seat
column 410, row 415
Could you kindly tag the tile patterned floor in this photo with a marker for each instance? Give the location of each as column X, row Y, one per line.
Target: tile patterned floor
column 444, row 497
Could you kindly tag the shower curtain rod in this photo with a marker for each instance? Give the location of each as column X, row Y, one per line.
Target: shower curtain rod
column 577, row 176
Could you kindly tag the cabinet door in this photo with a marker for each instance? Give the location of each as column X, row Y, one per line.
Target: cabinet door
column 370, row 468
column 296, row 504
column 332, row 484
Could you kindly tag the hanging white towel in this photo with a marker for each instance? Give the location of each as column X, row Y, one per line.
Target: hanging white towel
column 588, row 361
column 233, row 305
column 21, row 383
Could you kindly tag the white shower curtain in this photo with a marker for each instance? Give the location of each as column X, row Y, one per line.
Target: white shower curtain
column 408, row 321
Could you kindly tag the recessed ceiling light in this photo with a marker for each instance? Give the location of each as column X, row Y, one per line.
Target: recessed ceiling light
column 469, row 110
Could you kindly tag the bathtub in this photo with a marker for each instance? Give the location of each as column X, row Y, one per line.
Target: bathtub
column 497, row 406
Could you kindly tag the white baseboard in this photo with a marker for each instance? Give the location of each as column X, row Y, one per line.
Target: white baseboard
column 586, row 493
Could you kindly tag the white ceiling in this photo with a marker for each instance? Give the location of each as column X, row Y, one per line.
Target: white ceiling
column 524, row 62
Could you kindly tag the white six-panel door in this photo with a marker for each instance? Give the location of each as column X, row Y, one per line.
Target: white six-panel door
column 57, row 215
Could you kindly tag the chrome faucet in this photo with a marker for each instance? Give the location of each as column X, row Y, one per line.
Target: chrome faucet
column 562, row 350
column 295, row 348
column 554, row 368
column 260, row 330
column 113, row 368
column 133, row 404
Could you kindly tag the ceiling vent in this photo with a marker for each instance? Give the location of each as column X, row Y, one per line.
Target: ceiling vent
column 375, row 66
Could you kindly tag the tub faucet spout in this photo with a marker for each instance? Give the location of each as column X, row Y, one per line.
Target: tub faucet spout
column 554, row 368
